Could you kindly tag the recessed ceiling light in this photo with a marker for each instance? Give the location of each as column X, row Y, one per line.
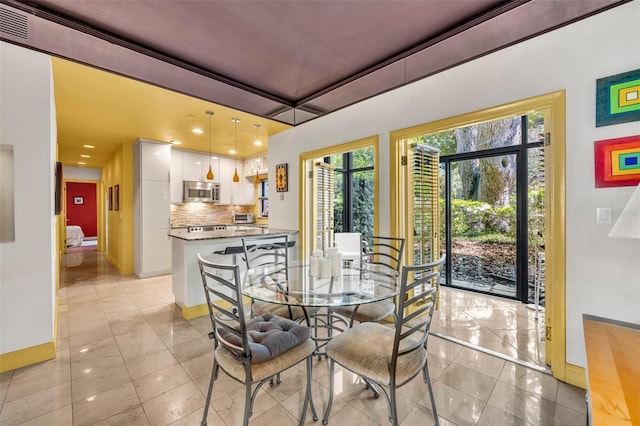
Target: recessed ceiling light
column 85, row 156
column 82, row 163
column 89, row 146
column 214, row 157
column 176, row 142
column 257, row 143
column 197, row 131
column 232, row 151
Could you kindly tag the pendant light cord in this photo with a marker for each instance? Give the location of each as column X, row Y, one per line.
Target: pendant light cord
column 210, row 172
column 236, row 178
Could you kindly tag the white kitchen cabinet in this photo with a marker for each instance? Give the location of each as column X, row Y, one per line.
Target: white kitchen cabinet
column 235, row 193
column 156, row 160
column 156, row 204
column 193, row 167
column 189, row 165
column 253, row 165
column 156, row 257
column 151, row 208
column 176, row 176
column 227, row 166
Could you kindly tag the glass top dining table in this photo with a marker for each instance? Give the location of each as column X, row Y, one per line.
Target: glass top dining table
column 294, row 285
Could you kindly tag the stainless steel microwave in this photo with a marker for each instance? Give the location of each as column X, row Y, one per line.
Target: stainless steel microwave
column 202, row 192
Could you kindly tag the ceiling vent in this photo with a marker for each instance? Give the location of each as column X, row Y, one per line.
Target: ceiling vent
column 13, row 23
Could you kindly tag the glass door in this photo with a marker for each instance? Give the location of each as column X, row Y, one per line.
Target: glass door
column 493, row 209
column 483, row 239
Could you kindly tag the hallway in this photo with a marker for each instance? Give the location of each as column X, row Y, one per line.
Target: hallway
column 126, row 356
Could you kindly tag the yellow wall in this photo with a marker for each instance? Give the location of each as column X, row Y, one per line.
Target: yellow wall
column 119, row 224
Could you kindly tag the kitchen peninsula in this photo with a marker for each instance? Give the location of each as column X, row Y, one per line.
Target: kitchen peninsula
column 186, row 281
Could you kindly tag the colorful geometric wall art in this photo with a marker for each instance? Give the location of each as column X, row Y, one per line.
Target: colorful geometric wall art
column 618, row 98
column 617, row 162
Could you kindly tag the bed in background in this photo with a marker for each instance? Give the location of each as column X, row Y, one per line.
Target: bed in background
column 75, row 236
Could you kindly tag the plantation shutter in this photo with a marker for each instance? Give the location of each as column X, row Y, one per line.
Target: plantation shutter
column 324, row 200
column 424, row 162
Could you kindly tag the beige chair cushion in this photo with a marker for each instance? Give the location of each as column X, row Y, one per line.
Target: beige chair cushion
column 369, row 312
column 268, row 336
column 366, row 350
column 260, row 308
column 229, row 362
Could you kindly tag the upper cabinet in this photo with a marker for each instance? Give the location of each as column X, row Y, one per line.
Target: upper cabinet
column 155, row 160
column 196, row 165
column 257, row 164
column 238, row 193
column 189, row 165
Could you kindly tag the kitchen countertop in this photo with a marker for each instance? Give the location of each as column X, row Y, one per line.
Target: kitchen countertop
column 238, row 232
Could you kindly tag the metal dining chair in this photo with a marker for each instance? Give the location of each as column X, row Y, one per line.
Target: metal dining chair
column 380, row 252
column 390, row 357
column 251, row 351
column 271, row 250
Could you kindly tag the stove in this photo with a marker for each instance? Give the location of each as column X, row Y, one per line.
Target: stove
column 206, row 228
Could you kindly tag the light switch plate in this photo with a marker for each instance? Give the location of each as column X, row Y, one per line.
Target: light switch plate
column 603, row 216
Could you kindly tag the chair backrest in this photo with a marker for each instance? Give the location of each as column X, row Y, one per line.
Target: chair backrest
column 267, row 250
column 227, row 316
column 349, row 244
column 383, row 251
column 418, row 287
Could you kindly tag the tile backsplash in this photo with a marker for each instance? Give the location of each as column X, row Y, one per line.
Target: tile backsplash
column 184, row 214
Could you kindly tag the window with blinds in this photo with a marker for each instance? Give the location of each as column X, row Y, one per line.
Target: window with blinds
column 324, row 200
column 424, row 208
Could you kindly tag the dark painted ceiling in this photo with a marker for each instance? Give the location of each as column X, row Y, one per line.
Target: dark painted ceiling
column 290, row 61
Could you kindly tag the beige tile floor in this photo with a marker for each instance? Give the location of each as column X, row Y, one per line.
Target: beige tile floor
column 499, row 325
column 125, row 356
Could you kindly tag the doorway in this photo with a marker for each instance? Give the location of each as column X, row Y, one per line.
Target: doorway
column 81, row 215
column 550, row 108
column 317, row 219
column 493, row 207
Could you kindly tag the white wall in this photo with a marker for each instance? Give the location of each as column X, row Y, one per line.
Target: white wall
column 81, row 173
column 27, row 265
column 603, row 274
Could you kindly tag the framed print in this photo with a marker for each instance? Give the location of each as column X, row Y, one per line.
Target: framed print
column 618, row 98
column 617, row 162
column 116, row 197
column 78, row 200
column 110, row 198
column 282, row 180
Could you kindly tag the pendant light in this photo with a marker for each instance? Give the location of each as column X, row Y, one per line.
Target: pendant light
column 210, row 173
column 257, row 144
column 236, row 178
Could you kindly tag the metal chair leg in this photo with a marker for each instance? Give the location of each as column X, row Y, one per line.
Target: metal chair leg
column 325, row 419
column 393, row 406
column 248, row 403
column 214, row 376
column 308, row 396
column 427, row 380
